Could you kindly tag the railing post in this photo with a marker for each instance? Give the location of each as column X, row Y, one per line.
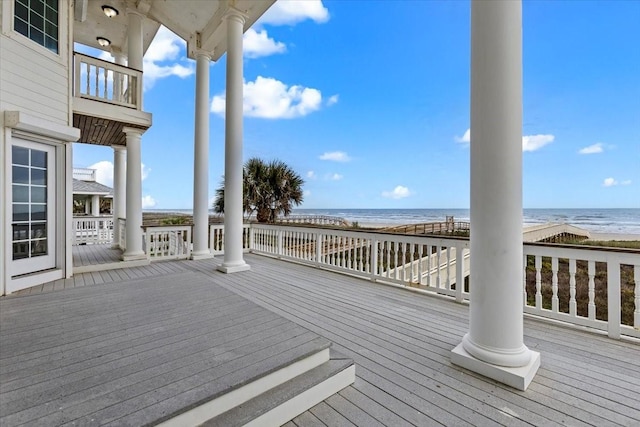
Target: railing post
column 279, row 248
column 318, row 248
column 636, row 279
column 251, row 238
column 613, row 298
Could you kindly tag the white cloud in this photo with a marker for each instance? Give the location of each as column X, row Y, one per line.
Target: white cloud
column 104, row 172
column 336, row 156
column 162, row 59
column 334, row 177
column 529, row 142
column 311, row 175
column 592, row 149
column 291, row 12
column 466, row 138
column 400, row 192
column 269, row 98
column 306, row 193
column 332, row 100
column 610, row 182
column 535, row 142
column 148, row 202
column 256, row 44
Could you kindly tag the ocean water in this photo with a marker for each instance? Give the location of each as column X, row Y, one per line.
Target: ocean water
column 626, row 221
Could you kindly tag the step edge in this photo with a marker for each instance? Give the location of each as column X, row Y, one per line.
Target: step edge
column 240, row 395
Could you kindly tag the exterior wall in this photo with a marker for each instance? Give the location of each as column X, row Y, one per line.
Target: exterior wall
column 36, row 88
column 32, row 78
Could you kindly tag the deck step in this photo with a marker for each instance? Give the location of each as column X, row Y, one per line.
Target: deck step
column 286, row 401
column 249, row 382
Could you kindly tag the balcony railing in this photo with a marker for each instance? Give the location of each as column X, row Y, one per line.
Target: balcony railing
column 92, row 230
column 105, row 81
column 597, row 288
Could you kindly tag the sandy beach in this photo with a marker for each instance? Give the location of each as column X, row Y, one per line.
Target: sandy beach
column 614, row 236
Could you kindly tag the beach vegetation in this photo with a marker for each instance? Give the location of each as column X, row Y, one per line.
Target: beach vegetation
column 270, row 189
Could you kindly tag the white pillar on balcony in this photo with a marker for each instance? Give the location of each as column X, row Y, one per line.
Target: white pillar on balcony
column 95, row 205
column 134, row 196
column 233, row 209
column 134, row 39
column 119, row 190
column 201, row 160
column 494, row 345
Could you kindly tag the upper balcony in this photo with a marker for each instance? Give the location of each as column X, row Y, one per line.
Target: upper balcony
column 106, row 98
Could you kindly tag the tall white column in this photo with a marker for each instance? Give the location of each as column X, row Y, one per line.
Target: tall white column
column 494, row 344
column 119, row 191
column 95, row 205
column 201, row 160
column 233, row 215
column 134, row 39
column 134, row 196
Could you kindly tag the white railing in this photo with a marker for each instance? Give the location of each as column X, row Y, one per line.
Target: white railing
column 84, row 174
column 216, row 238
column 107, row 82
column 593, row 287
column 584, row 286
column 168, row 242
column 314, row 219
column 425, row 263
column 92, row 230
column 122, row 238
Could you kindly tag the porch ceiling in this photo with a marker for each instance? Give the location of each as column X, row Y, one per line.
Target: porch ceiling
column 186, row 18
column 99, row 131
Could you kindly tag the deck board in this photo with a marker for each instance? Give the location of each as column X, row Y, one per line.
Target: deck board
column 400, row 341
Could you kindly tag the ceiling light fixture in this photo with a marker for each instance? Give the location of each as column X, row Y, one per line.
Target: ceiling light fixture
column 110, row 11
column 104, row 42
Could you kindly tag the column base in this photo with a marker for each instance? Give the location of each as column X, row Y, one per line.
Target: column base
column 133, row 256
column 518, row 378
column 234, row 268
column 115, row 246
column 195, row 256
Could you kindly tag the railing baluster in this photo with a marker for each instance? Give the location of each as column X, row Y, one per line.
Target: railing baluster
column 592, row 290
column 448, row 283
column 439, row 269
column 636, row 312
column 555, row 302
column 613, row 298
column 572, row 287
column 538, row 282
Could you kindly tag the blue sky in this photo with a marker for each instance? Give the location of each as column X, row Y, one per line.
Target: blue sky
column 369, row 103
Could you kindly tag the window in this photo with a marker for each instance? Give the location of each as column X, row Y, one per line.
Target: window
column 38, row 20
column 29, row 187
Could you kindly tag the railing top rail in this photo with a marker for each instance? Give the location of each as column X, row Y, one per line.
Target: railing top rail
column 108, row 64
column 583, row 247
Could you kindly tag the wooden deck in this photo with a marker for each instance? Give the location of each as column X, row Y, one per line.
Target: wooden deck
column 400, row 342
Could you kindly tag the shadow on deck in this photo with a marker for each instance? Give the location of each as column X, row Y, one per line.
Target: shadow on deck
column 399, row 340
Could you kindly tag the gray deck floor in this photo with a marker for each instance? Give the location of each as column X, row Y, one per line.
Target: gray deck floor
column 83, row 255
column 400, row 342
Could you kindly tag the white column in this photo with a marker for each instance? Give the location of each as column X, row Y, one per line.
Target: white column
column 494, row 344
column 134, row 39
column 119, row 190
column 95, row 205
column 201, row 160
column 233, row 215
column 134, row 196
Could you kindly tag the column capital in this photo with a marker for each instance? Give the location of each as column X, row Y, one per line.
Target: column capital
column 133, row 131
column 130, row 11
column 202, row 53
column 235, row 14
column 118, row 148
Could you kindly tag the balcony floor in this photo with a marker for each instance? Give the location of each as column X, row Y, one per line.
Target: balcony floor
column 401, row 341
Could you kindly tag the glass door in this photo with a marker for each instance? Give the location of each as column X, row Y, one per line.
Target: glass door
column 32, row 207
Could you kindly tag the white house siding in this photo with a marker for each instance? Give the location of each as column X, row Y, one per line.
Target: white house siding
column 32, row 78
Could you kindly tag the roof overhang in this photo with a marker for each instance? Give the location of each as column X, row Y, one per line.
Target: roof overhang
column 199, row 22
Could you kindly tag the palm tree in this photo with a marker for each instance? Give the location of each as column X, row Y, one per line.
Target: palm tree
column 269, row 190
